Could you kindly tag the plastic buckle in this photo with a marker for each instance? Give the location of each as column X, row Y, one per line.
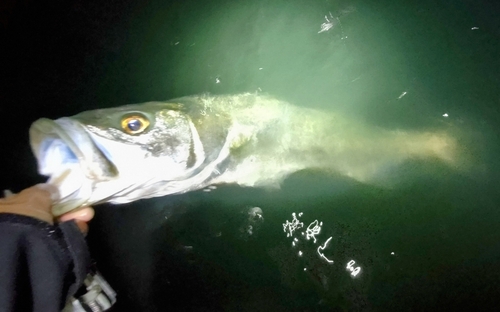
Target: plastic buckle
column 97, row 295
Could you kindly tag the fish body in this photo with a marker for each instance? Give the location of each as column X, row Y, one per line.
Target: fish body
column 152, row 149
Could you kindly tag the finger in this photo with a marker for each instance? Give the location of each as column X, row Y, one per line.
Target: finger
column 84, row 214
column 83, row 226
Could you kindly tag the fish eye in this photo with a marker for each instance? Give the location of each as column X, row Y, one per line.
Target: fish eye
column 134, row 124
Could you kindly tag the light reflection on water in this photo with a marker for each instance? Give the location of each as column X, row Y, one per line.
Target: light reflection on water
column 362, row 246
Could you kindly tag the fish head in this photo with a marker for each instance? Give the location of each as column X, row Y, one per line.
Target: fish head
column 123, row 154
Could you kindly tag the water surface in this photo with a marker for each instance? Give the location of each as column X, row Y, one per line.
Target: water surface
column 429, row 243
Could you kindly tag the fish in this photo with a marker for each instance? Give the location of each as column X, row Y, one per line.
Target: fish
column 123, row 154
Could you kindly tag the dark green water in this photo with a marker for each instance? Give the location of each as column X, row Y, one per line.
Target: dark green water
column 430, row 243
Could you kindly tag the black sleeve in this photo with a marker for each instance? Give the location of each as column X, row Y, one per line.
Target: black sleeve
column 41, row 265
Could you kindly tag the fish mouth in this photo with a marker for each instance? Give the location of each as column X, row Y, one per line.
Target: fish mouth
column 66, row 153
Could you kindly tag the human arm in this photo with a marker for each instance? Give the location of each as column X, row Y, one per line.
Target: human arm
column 42, row 263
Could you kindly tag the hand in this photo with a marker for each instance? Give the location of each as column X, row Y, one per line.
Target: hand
column 36, row 202
column 81, row 216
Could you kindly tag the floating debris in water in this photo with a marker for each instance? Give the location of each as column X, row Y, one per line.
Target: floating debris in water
column 350, row 267
column 253, row 221
column 321, row 254
column 313, row 229
column 329, row 24
column 331, row 20
column 290, row 227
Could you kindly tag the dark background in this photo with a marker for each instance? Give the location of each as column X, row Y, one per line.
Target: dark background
column 187, row 252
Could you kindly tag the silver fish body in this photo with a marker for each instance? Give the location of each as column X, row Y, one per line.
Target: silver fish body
column 138, row 151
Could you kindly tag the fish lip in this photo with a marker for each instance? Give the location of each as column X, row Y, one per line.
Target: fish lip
column 42, row 129
column 74, row 136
